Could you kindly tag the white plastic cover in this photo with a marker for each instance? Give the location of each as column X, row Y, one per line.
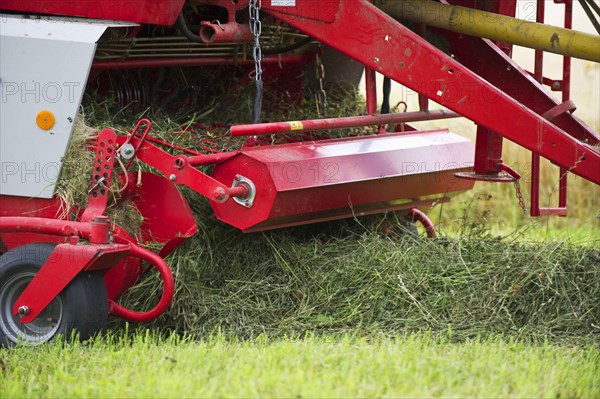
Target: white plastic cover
column 44, row 66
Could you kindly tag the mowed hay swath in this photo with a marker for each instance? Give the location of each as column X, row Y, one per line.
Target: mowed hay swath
column 345, row 276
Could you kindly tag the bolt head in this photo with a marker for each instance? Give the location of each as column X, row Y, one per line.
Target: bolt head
column 23, row 310
column 127, row 151
column 220, row 195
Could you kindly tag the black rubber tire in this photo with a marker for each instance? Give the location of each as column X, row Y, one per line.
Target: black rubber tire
column 408, row 228
column 396, row 225
column 82, row 307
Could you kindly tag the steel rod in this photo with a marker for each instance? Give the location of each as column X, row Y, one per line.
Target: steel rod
column 160, row 62
column 339, row 123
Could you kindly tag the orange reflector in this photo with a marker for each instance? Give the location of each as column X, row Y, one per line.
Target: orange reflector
column 45, row 120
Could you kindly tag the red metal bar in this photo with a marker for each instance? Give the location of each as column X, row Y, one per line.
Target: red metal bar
column 421, row 29
column 339, row 123
column 566, row 90
column 45, row 226
column 178, row 172
column 566, row 83
column 488, row 152
column 201, row 160
column 538, row 71
column 371, row 94
column 513, row 173
column 371, row 89
column 567, row 105
column 535, row 209
column 167, row 295
column 142, row 139
column 135, row 63
column 562, row 190
column 238, row 191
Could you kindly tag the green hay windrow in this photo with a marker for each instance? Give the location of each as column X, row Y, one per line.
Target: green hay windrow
column 336, row 278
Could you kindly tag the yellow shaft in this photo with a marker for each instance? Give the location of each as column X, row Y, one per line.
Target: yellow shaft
column 496, row 27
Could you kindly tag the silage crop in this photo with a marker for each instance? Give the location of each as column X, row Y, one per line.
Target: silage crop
column 347, row 276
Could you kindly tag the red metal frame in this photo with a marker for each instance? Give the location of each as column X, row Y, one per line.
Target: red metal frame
column 395, row 51
column 567, row 107
column 63, row 265
column 70, row 259
column 177, row 169
column 97, row 231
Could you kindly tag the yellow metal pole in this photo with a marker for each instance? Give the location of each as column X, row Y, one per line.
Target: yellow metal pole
column 496, row 27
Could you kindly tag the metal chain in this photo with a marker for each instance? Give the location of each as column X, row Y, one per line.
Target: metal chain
column 321, row 96
column 254, row 7
column 520, row 196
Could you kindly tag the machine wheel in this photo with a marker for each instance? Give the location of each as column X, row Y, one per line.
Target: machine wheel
column 397, row 224
column 81, row 307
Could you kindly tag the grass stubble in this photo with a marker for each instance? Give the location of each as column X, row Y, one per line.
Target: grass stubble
column 151, row 365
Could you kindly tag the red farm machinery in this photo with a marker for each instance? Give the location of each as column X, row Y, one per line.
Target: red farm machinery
column 63, row 272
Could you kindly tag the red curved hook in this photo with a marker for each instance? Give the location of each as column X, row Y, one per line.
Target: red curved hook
column 134, row 132
column 167, row 295
column 418, row 216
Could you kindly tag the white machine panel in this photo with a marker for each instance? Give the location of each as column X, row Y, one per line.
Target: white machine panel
column 44, row 66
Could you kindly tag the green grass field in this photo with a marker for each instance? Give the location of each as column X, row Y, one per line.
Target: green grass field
column 144, row 366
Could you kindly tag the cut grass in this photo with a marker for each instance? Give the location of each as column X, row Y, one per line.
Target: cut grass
column 145, row 366
column 497, row 206
column 343, row 276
